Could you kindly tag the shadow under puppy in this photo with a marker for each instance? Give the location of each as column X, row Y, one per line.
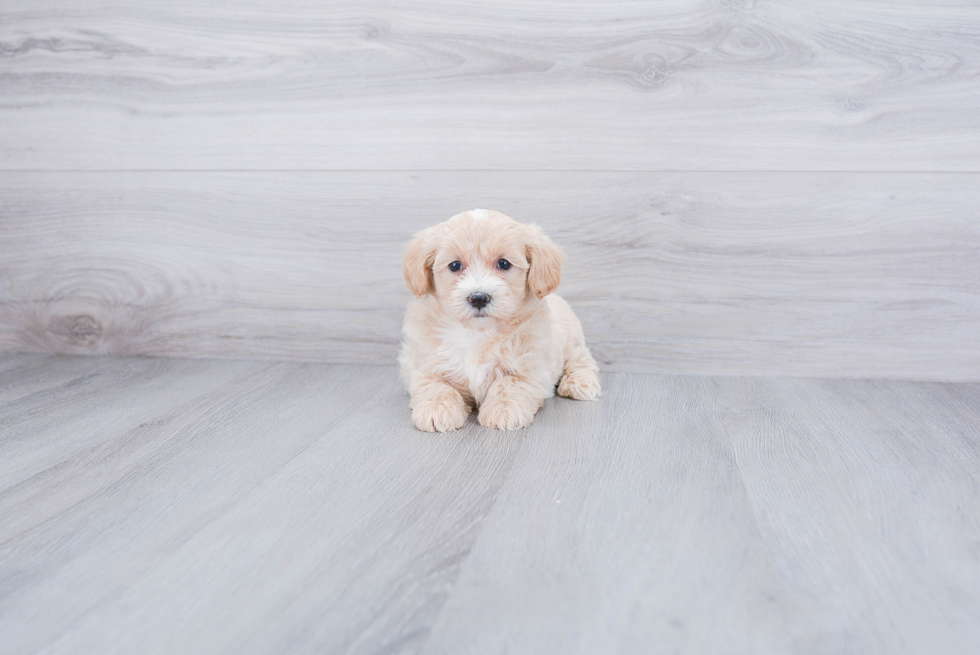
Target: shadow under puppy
column 485, row 330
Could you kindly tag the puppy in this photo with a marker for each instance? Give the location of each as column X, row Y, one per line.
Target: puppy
column 485, row 330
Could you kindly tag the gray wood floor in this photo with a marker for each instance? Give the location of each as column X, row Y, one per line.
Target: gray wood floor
column 168, row 505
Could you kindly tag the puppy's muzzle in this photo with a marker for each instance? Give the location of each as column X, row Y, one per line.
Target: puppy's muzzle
column 479, row 300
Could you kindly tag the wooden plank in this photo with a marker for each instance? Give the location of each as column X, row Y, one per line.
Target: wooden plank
column 733, row 515
column 215, row 506
column 292, row 507
column 53, row 426
column 866, row 493
column 869, row 275
column 434, row 84
column 29, row 374
column 624, row 523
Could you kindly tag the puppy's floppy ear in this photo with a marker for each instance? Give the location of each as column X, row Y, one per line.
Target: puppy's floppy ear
column 545, row 259
column 419, row 256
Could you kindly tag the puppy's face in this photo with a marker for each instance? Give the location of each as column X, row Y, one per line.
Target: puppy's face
column 482, row 266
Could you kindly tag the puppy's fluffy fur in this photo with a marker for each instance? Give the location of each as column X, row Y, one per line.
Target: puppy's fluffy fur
column 504, row 357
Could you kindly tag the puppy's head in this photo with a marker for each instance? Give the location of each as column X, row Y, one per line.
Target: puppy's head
column 482, row 266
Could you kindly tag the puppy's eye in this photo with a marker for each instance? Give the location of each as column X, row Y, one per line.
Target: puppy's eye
column 503, row 264
column 455, row 266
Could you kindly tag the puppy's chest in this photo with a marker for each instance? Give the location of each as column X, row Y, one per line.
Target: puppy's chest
column 469, row 358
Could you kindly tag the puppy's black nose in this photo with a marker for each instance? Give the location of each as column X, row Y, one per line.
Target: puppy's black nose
column 479, row 299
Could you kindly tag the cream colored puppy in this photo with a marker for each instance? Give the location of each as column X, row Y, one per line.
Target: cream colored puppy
column 485, row 330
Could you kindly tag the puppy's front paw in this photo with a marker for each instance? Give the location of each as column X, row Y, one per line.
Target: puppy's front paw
column 504, row 415
column 580, row 385
column 440, row 415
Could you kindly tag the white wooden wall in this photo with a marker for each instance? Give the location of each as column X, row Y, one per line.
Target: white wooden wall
column 742, row 187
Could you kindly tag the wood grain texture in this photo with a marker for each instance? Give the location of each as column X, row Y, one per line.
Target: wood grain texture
column 543, row 85
column 854, row 275
column 261, row 507
column 231, row 507
column 736, row 515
